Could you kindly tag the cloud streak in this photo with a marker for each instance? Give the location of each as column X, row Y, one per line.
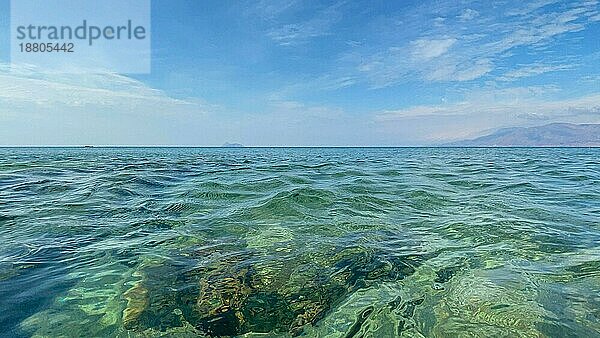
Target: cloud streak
column 26, row 88
column 301, row 32
column 464, row 44
column 521, row 102
column 424, row 49
column 533, row 70
column 485, row 111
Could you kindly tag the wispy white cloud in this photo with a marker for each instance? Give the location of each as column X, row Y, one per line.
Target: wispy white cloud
column 532, row 70
column 299, row 111
column 591, row 78
column 30, row 89
column 425, row 49
column 301, row 32
column 269, row 9
column 457, row 44
column 517, row 102
column 468, row 14
column 44, row 107
column 459, row 72
column 483, row 110
column 530, row 7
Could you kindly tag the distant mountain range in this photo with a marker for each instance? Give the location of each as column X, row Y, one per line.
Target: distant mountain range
column 551, row 135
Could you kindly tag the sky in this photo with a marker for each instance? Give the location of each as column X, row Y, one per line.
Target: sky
column 321, row 73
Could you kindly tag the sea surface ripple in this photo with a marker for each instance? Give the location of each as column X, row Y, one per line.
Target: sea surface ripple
column 319, row 242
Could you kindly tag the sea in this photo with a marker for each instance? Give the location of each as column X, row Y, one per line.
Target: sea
column 309, row 242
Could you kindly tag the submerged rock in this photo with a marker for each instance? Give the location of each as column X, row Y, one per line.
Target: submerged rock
column 228, row 296
column 137, row 302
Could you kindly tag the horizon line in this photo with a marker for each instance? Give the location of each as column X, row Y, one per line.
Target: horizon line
column 275, row 147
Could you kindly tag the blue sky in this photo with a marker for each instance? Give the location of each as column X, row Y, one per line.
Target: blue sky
column 315, row 73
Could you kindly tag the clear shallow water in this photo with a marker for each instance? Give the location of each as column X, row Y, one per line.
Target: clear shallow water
column 313, row 242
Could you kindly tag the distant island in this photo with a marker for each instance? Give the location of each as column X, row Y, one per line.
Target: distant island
column 232, row 145
column 550, row 135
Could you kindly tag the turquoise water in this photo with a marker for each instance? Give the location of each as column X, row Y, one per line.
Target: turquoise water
column 300, row 242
